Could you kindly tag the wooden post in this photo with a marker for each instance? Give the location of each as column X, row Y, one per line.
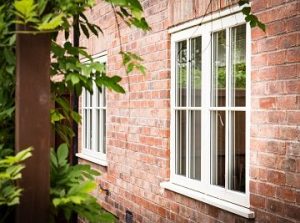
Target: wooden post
column 33, row 125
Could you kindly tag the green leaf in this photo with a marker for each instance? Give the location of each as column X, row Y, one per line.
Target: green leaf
column 55, row 116
column 246, row 10
column 62, row 154
column 85, row 30
column 51, row 22
column 26, row 9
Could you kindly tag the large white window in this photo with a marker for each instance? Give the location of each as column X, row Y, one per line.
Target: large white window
column 94, row 123
column 210, row 112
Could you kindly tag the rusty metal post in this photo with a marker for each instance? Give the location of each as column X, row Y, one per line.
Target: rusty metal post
column 33, row 125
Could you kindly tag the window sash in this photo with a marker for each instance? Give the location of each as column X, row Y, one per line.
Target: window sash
column 93, row 139
column 204, row 185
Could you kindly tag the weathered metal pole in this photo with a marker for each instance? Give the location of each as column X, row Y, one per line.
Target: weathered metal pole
column 33, row 125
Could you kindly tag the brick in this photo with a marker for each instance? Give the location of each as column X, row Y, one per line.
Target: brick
column 276, row 28
column 293, row 211
column 287, row 71
column 288, row 41
column 265, row 189
column 293, row 117
column 276, row 58
column 293, row 55
column 293, row 24
column 266, row 160
column 276, row 177
column 267, row 103
column 257, row 201
column 286, row 164
column 293, row 179
column 275, row 207
column 286, row 194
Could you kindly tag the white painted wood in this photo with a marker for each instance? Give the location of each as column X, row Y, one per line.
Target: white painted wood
column 228, row 206
column 94, row 151
column 204, row 186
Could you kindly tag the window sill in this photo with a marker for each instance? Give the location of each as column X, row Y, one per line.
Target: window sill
column 92, row 159
column 225, row 205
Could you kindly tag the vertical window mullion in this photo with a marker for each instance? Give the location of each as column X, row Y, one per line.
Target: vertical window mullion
column 101, row 123
column 94, row 117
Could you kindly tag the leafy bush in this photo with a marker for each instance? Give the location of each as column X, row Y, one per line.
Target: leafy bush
column 10, row 171
column 71, row 187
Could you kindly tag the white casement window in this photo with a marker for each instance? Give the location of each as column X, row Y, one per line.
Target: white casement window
column 94, row 123
column 210, row 113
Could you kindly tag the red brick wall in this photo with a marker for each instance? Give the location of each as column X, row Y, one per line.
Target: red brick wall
column 275, row 131
column 138, row 133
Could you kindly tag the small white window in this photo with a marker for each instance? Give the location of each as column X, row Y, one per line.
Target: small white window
column 94, row 123
column 210, row 109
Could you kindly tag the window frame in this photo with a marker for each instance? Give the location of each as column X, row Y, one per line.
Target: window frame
column 204, row 186
column 98, row 157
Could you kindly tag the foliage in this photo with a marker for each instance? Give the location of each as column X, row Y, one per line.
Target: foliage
column 249, row 17
column 7, row 80
column 10, row 171
column 71, row 187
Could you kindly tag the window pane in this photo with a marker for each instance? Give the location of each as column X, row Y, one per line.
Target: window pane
column 181, row 142
column 104, row 96
column 85, row 118
column 237, row 152
column 98, row 130
column 87, row 99
column 219, row 69
column 91, row 134
column 181, row 55
column 195, row 138
column 196, row 72
column 98, row 97
column 238, row 79
column 104, row 131
column 218, row 148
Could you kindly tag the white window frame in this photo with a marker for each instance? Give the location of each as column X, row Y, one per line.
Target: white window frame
column 93, row 153
column 232, row 201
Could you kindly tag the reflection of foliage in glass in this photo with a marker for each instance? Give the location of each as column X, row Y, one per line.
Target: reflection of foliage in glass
column 196, row 75
column 221, row 77
column 239, row 75
column 196, row 78
column 239, row 71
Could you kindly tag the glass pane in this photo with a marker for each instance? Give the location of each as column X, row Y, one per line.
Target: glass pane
column 104, row 131
column 181, row 55
column 218, row 148
column 237, row 151
column 238, row 58
column 195, row 137
column 98, row 97
column 91, row 99
column 98, row 130
column 181, row 142
column 104, row 96
column 85, row 128
column 219, row 69
column 86, row 99
column 91, row 135
column 196, row 72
